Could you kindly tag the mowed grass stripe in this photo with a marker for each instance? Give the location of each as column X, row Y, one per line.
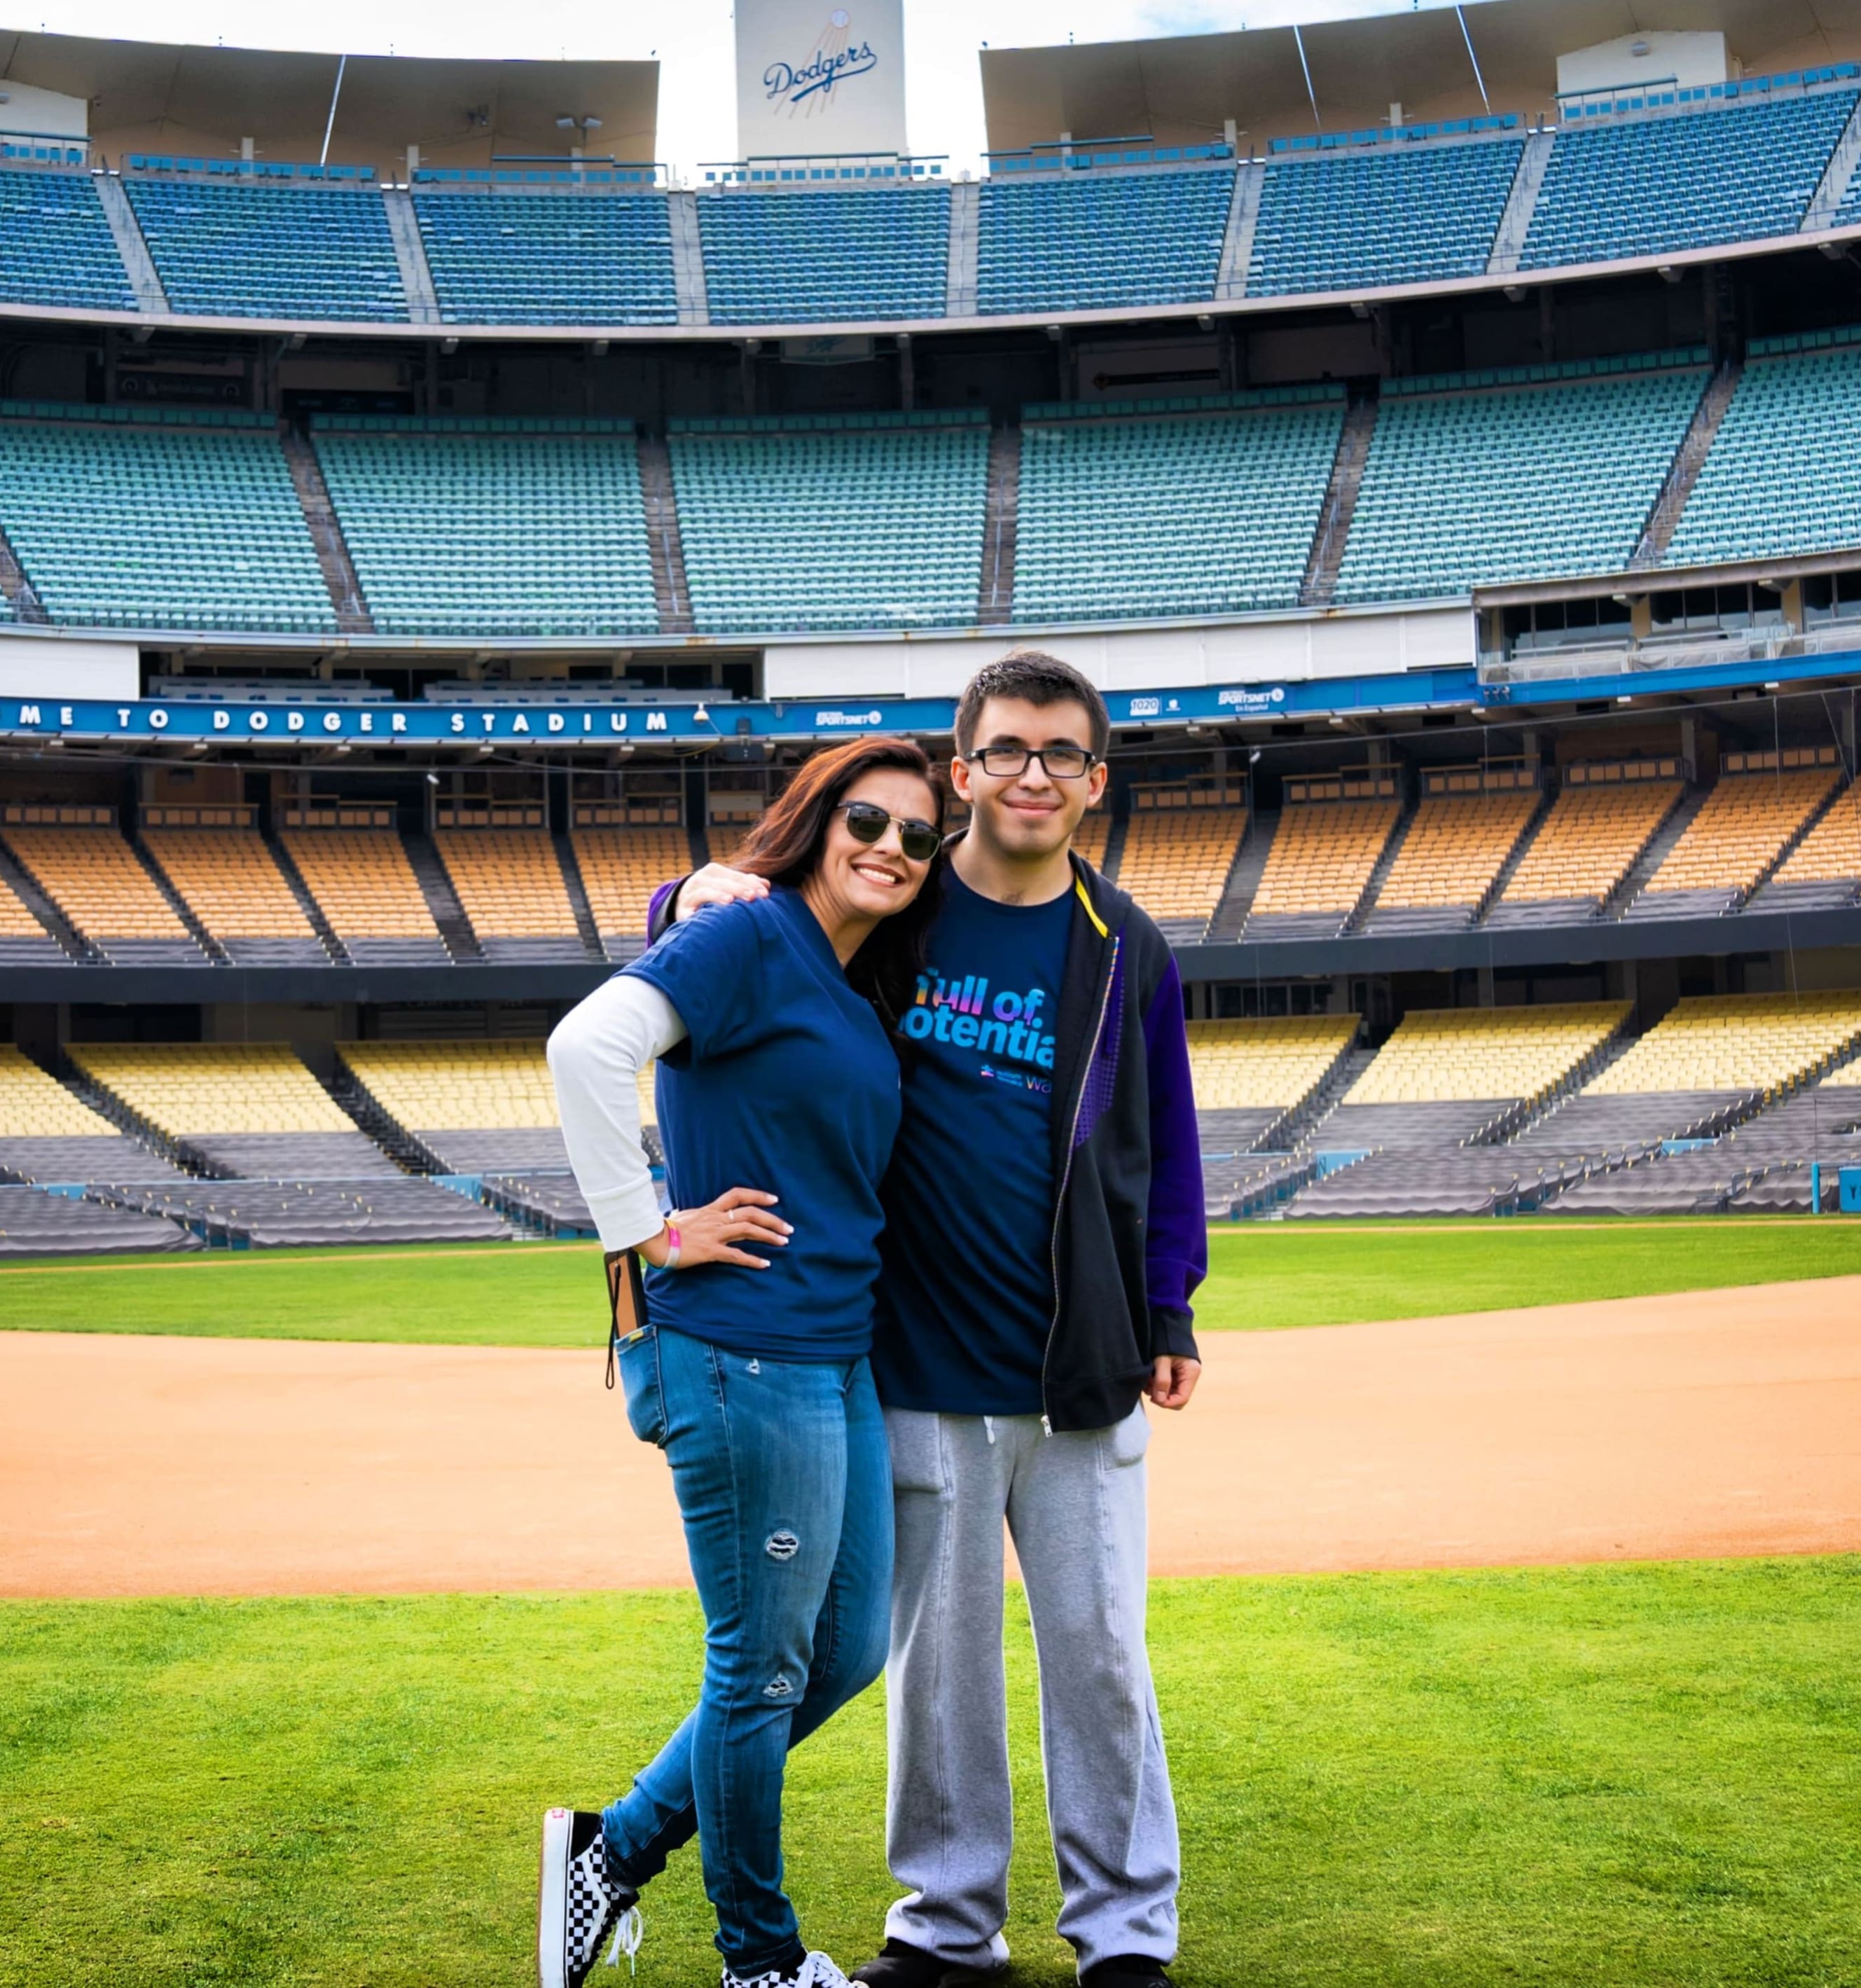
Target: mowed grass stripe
column 1262, row 1277
column 1622, row 1774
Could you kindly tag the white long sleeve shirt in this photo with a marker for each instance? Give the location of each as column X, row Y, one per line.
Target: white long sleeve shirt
column 596, row 1055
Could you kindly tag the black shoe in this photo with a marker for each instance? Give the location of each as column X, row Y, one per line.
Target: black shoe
column 898, row 1965
column 578, row 1904
column 1125, row 1970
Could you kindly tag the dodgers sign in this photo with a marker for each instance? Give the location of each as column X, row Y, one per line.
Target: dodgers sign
column 815, row 78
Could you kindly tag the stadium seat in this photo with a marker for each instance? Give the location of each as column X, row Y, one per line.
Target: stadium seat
column 510, row 887
column 1650, row 185
column 230, row 881
column 1456, row 845
column 490, row 527
column 1548, row 471
column 1587, row 844
column 93, row 877
column 24, row 941
column 621, row 868
column 1319, row 865
column 1824, row 870
column 1177, row 859
column 137, row 524
column 861, row 522
column 1745, row 825
column 251, row 1110
column 1145, row 516
column 1799, row 410
column 1421, row 215
column 270, row 249
column 577, row 255
column 874, row 255
column 59, row 250
column 366, row 888
column 1093, row 242
column 1759, row 1043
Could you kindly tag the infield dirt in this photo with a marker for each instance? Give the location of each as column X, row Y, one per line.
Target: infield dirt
column 1717, row 1422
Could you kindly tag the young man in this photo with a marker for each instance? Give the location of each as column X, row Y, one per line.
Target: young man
column 1044, row 1232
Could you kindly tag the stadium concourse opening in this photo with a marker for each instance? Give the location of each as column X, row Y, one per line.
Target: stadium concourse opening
column 411, row 552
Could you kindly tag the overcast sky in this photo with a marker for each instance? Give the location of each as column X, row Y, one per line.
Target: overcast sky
column 697, row 103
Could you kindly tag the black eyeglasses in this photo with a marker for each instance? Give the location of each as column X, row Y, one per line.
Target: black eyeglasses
column 1007, row 762
column 867, row 822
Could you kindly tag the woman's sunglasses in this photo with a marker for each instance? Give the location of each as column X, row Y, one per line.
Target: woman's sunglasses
column 867, row 822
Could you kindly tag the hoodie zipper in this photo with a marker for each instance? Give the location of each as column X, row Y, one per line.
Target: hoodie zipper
column 1059, row 1199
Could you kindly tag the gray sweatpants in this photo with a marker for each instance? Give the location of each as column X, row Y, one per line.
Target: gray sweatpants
column 1075, row 1504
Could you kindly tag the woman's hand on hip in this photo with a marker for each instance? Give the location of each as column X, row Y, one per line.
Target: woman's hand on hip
column 710, row 1234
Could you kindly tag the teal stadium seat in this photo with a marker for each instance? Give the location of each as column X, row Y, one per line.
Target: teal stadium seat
column 1358, row 221
column 59, row 250
column 458, row 526
column 1083, row 242
column 150, row 524
column 270, row 248
column 1650, row 185
column 1538, row 472
column 568, row 256
column 804, row 257
column 1202, row 512
column 832, row 522
column 1784, row 474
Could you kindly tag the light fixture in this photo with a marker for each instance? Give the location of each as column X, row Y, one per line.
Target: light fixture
column 1773, row 686
column 1625, row 700
column 1516, row 293
column 448, row 347
column 1253, row 757
column 1204, row 323
column 433, row 779
column 700, row 716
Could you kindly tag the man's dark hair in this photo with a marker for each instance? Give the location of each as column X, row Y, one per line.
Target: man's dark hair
column 1036, row 677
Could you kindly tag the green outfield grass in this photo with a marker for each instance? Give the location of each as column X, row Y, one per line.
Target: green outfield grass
column 1616, row 1776
column 1262, row 1275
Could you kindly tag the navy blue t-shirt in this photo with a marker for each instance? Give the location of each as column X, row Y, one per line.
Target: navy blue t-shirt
column 786, row 1081
column 966, row 1300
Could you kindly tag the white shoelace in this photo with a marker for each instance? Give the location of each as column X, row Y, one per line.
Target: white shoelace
column 817, row 1971
column 629, row 1930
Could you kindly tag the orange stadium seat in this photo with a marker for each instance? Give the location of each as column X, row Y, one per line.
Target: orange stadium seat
column 97, row 881
column 365, row 886
column 232, row 883
column 1455, row 848
column 1588, row 844
column 1746, row 822
column 511, row 889
column 1319, row 865
column 621, row 868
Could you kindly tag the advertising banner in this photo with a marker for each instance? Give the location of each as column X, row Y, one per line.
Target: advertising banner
column 817, row 78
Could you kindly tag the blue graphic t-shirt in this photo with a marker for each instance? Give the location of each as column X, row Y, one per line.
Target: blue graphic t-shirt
column 786, row 1081
column 966, row 1299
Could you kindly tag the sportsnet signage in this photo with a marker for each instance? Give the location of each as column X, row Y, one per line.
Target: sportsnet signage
column 819, row 79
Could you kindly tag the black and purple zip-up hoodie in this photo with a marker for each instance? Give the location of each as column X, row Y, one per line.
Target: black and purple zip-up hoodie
column 1130, row 1240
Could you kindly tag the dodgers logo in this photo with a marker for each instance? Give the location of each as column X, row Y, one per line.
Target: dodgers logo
column 795, row 83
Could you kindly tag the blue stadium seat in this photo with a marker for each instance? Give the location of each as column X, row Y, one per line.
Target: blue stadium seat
column 122, row 523
column 1354, row 220
column 270, row 249
column 1650, row 185
column 801, row 257
column 497, row 527
column 1207, row 513
column 832, row 522
column 1784, row 474
column 59, row 250
column 574, row 257
column 1539, row 472
column 1083, row 242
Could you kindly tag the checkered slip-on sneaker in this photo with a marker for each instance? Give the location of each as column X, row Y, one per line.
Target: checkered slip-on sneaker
column 578, row 1906
column 817, row 1971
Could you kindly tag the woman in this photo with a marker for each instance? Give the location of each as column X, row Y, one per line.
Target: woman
column 771, row 1023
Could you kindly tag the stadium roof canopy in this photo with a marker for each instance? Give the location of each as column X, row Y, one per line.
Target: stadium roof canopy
column 1180, row 89
column 155, row 97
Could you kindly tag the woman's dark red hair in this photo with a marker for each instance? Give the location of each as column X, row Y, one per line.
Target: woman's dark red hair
column 785, row 847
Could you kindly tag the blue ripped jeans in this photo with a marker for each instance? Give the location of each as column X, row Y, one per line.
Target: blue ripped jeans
column 783, row 1479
